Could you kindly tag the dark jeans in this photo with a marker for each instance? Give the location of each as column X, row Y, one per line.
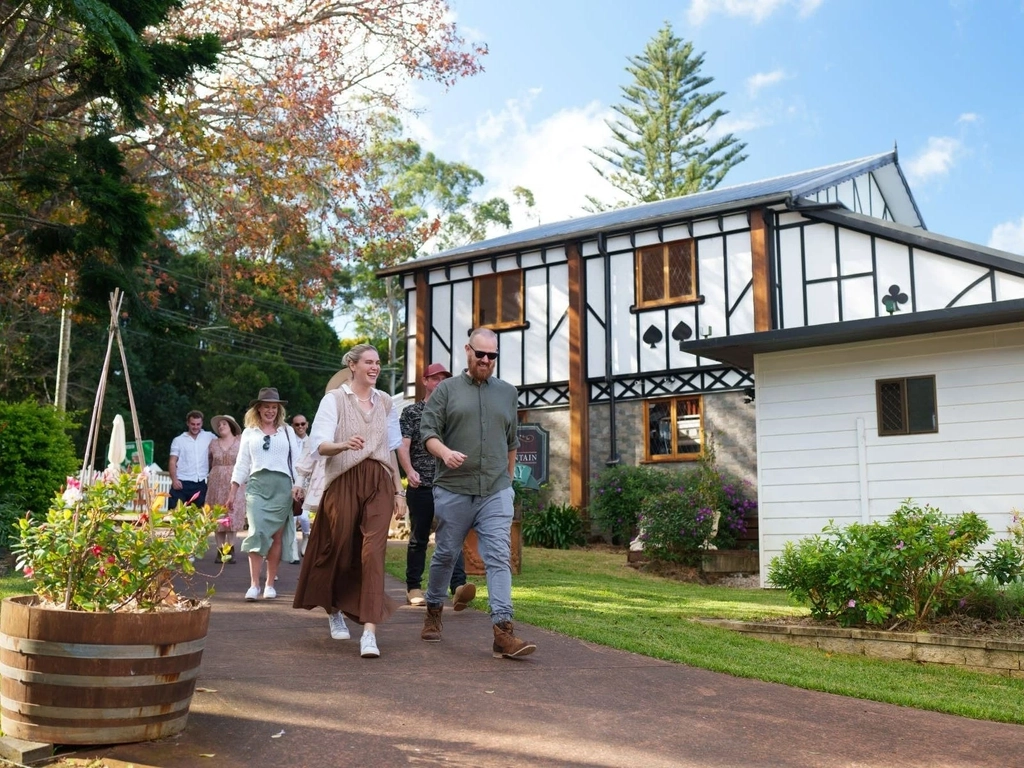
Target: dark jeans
column 421, row 517
column 189, row 488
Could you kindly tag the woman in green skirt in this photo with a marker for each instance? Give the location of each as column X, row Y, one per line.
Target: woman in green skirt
column 266, row 466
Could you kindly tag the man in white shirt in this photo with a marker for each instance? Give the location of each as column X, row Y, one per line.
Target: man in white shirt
column 190, row 462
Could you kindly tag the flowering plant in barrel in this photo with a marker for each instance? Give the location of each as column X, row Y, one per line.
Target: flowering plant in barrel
column 102, row 547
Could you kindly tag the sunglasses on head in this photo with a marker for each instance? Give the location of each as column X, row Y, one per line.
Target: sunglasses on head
column 266, row 442
column 481, row 355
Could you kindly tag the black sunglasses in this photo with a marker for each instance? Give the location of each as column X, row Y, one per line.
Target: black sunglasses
column 266, row 442
column 298, row 423
column 481, row 355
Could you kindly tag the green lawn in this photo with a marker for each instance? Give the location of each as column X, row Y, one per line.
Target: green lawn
column 13, row 583
column 596, row 597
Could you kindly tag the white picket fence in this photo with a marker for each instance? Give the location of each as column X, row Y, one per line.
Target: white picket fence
column 159, row 483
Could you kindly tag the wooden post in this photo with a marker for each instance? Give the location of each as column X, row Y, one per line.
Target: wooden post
column 761, row 270
column 579, row 394
column 423, row 323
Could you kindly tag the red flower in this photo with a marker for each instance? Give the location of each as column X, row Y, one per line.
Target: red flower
column 96, row 550
column 111, row 559
column 28, row 572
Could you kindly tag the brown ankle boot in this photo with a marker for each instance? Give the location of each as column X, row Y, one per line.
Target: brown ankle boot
column 432, row 624
column 507, row 645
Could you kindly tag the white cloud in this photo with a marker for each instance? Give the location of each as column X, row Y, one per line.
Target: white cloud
column 936, row 159
column 549, row 157
column 1008, row 236
column 764, row 79
column 755, row 10
column 968, row 117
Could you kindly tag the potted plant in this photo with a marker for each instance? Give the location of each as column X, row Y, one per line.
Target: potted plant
column 105, row 651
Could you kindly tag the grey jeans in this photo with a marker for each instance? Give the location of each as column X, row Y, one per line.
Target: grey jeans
column 491, row 517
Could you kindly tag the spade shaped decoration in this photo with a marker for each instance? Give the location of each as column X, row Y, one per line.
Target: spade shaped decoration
column 893, row 299
column 681, row 333
column 653, row 336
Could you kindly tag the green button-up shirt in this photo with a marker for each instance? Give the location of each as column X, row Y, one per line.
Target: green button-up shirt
column 478, row 419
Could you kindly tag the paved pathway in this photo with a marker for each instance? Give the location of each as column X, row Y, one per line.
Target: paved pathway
column 280, row 692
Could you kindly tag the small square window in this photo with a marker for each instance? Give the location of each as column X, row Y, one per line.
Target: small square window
column 906, row 406
column 675, row 429
column 498, row 300
column 666, row 274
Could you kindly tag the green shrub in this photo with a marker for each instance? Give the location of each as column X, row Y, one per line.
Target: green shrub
column 36, row 455
column 674, row 526
column 557, row 526
column 616, row 495
column 1003, row 563
column 883, row 573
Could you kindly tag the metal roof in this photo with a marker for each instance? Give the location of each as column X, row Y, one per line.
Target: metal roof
column 777, row 189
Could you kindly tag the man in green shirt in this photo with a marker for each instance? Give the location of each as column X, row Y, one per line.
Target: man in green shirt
column 469, row 426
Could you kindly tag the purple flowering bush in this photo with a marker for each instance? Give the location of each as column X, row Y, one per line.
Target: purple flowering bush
column 675, row 526
column 616, row 495
column 901, row 570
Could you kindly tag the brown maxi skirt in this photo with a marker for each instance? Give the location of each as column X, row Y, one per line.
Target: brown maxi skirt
column 343, row 568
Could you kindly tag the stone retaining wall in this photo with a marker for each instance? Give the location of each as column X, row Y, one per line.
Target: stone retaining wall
column 999, row 657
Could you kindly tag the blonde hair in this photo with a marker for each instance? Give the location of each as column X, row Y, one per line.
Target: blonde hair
column 252, row 416
column 353, row 355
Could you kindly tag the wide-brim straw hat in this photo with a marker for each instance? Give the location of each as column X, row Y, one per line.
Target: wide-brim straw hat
column 216, row 420
column 268, row 395
column 341, row 377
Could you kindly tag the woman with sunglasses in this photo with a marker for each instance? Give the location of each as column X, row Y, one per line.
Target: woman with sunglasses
column 266, row 466
column 357, row 430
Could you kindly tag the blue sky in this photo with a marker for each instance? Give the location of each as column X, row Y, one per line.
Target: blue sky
column 807, row 82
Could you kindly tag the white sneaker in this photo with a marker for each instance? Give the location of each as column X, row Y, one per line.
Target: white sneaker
column 339, row 630
column 368, row 646
column 252, row 594
column 269, row 593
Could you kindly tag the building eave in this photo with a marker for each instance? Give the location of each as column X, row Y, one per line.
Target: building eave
column 739, row 351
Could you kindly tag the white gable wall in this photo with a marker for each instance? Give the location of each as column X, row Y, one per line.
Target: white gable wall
column 819, row 456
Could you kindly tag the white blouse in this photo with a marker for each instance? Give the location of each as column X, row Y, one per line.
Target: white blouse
column 326, row 421
column 252, row 457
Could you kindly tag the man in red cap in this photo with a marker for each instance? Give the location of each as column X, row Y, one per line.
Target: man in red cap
column 419, row 467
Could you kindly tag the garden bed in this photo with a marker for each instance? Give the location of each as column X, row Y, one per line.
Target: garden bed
column 990, row 647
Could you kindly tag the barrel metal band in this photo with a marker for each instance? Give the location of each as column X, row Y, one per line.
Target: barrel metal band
column 97, row 681
column 86, row 651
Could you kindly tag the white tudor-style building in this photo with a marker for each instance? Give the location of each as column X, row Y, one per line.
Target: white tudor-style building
column 881, row 357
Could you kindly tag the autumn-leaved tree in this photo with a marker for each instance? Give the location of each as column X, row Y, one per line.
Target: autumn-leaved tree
column 665, row 144
column 264, row 164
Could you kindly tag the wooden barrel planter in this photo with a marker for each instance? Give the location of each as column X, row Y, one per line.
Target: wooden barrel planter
column 69, row 677
column 475, row 563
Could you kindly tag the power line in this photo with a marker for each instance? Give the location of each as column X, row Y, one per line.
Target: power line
column 170, row 342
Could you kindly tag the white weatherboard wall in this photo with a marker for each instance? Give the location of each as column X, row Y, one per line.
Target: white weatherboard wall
column 814, row 463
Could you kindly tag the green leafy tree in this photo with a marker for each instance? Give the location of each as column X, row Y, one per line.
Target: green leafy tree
column 665, row 145
column 75, row 74
column 434, row 209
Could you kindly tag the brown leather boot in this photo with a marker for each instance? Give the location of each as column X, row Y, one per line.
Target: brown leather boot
column 507, row 645
column 432, row 623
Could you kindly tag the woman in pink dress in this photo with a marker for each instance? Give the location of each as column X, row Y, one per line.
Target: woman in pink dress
column 223, row 452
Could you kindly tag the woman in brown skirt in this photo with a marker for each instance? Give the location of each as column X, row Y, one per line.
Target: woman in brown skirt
column 343, row 570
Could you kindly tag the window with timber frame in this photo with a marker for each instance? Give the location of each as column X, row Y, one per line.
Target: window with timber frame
column 675, row 429
column 666, row 274
column 498, row 300
column 906, row 406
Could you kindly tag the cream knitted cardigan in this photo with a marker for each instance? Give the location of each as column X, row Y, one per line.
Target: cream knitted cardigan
column 371, row 425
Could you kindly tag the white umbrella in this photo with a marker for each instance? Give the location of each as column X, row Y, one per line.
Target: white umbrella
column 117, row 451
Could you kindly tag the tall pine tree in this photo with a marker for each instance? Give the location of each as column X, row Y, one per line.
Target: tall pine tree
column 662, row 136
